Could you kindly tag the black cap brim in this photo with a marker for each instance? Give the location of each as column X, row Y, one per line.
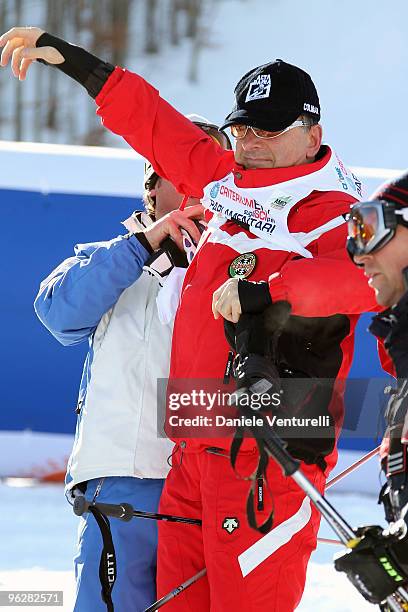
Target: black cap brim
column 273, row 124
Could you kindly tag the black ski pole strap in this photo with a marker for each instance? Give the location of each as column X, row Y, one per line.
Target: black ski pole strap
column 107, row 565
column 260, row 475
column 235, row 446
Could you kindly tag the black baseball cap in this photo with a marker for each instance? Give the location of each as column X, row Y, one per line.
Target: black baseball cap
column 272, row 96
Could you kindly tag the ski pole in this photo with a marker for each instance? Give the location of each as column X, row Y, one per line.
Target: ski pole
column 161, row 602
column 340, row 526
column 343, row 474
column 125, row 512
column 340, row 476
column 276, row 448
column 290, row 467
column 329, row 541
column 352, row 467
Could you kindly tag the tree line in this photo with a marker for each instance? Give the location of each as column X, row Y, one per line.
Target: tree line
column 49, row 107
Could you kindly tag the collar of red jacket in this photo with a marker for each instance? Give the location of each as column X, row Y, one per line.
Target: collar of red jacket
column 263, row 177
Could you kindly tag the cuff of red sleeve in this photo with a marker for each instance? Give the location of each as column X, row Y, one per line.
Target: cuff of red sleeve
column 277, row 289
column 113, row 80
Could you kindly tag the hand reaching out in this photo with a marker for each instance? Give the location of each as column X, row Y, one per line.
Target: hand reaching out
column 19, row 44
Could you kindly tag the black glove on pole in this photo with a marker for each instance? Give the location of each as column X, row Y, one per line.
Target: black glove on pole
column 373, row 564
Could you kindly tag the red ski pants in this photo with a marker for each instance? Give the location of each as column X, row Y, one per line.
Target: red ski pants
column 246, row 571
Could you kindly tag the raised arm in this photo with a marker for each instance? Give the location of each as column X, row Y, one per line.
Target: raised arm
column 128, row 106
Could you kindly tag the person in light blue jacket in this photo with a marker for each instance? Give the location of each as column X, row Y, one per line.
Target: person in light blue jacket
column 104, row 295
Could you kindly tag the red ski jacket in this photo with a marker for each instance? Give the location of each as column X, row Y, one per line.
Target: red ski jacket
column 326, row 291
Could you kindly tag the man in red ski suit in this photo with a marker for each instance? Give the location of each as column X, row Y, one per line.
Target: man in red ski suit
column 276, row 212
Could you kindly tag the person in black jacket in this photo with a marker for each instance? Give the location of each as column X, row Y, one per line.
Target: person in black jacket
column 378, row 242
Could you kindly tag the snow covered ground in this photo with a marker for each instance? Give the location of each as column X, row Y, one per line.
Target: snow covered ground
column 38, row 530
column 37, row 535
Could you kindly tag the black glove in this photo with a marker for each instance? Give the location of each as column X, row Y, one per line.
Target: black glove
column 393, row 502
column 374, row 565
column 253, row 297
column 85, row 68
column 254, row 339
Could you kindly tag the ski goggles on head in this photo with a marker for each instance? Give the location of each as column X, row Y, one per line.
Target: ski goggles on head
column 371, row 225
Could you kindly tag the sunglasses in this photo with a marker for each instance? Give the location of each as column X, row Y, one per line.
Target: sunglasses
column 371, row 225
column 239, row 131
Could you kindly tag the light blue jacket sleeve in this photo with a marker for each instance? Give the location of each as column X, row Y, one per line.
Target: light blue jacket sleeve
column 74, row 297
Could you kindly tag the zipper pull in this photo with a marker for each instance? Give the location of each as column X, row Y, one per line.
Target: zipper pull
column 228, row 366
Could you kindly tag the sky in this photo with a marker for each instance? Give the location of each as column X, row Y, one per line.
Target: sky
column 356, row 53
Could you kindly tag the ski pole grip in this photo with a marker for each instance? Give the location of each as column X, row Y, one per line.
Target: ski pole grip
column 123, row 512
column 277, row 448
